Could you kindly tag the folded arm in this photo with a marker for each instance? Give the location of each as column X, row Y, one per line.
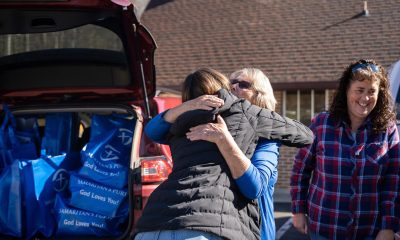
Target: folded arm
column 256, row 179
column 255, row 172
column 272, row 126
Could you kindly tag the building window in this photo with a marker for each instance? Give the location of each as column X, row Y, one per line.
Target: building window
column 302, row 105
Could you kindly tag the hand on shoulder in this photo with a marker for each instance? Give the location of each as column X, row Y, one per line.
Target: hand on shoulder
column 205, row 102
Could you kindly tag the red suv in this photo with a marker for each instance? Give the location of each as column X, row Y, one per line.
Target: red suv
column 86, row 57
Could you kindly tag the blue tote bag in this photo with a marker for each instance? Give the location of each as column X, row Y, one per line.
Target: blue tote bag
column 19, row 138
column 107, row 173
column 11, row 201
column 43, row 179
column 76, row 222
column 110, row 139
column 93, row 197
column 106, row 157
column 60, row 133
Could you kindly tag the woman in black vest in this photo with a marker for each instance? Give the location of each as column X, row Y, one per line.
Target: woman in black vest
column 255, row 177
column 200, row 197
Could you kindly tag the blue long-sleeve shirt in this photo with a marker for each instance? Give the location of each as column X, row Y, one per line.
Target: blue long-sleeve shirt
column 258, row 180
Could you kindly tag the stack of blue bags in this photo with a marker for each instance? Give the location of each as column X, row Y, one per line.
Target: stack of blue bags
column 48, row 188
column 99, row 188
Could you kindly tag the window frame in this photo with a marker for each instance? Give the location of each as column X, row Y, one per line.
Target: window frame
column 298, row 105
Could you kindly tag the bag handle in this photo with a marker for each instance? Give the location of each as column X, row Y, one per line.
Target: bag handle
column 8, row 118
column 13, row 137
column 48, row 161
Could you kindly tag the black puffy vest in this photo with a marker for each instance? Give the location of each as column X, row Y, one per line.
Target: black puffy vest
column 200, row 193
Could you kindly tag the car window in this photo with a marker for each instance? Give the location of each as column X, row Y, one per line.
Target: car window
column 88, row 36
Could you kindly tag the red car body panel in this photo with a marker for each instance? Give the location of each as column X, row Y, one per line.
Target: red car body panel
column 143, row 191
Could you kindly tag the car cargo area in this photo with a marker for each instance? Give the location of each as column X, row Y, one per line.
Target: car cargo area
column 78, row 77
column 66, row 171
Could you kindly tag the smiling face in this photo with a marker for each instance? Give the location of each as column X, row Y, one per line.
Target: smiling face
column 241, row 90
column 361, row 100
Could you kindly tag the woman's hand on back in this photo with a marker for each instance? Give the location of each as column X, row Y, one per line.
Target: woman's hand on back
column 212, row 132
column 218, row 133
column 205, row 102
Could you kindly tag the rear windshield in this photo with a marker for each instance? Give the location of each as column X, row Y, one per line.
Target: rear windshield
column 88, row 36
column 87, row 56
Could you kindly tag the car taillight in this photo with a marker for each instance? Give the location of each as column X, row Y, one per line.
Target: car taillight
column 155, row 169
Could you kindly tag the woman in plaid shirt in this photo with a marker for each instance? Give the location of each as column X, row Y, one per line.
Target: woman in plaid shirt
column 346, row 184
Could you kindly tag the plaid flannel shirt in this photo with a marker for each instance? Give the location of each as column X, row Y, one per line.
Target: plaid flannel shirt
column 354, row 187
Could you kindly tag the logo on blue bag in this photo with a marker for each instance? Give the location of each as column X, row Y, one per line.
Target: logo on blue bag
column 109, row 153
column 60, row 180
column 125, row 135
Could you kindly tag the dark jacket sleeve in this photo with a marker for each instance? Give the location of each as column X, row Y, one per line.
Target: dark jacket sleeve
column 272, row 126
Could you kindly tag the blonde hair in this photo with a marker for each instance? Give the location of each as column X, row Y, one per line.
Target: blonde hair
column 264, row 94
column 203, row 81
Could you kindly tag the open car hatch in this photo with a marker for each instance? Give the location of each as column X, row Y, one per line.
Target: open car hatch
column 55, row 53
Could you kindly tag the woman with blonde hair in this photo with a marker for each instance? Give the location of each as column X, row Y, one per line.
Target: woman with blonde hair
column 201, row 199
column 259, row 92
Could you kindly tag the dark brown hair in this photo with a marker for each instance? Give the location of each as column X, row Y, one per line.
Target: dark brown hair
column 383, row 112
column 203, row 81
